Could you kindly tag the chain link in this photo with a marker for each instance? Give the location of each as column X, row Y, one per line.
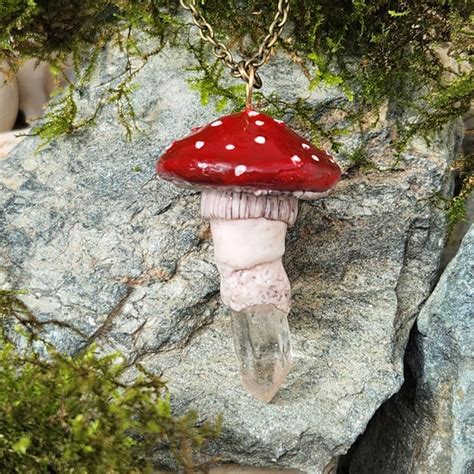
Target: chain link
column 244, row 69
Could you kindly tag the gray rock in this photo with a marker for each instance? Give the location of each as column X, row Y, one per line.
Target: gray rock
column 125, row 260
column 428, row 427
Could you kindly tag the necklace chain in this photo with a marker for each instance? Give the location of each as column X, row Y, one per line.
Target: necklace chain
column 244, row 69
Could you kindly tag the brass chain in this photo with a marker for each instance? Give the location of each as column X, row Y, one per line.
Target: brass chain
column 245, row 69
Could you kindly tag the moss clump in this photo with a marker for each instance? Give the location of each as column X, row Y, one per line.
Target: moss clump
column 456, row 208
column 75, row 414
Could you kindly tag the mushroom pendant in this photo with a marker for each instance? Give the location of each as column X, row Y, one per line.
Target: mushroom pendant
column 252, row 169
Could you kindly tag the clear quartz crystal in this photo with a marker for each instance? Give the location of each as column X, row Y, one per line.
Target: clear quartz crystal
column 263, row 348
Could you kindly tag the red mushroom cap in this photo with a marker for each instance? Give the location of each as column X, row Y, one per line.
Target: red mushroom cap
column 249, row 151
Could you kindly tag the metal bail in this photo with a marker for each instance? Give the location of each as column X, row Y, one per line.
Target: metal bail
column 249, row 86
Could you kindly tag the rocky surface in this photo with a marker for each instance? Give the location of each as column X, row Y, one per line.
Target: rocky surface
column 109, row 254
column 428, row 426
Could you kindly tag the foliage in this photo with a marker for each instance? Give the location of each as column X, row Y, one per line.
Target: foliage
column 208, row 83
column 456, row 208
column 75, row 414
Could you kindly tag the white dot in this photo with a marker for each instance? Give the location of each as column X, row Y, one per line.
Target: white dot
column 260, row 140
column 253, row 113
column 240, row 169
column 230, row 147
column 199, row 144
column 315, row 158
column 305, row 146
column 216, row 123
column 279, row 121
column 203, row 166
column 296, row 159
column 332, row 160
column 259, row 122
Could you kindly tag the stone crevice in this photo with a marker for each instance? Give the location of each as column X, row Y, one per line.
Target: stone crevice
column 109, row 319
column 425, row 427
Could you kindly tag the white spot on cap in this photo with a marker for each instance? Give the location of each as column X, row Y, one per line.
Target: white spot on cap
column 199, row 144
column 240, row 169
column 331, row 159
column 230, row 147
column 315, row 158
column 279, row 121
column 203, row 166
column 260, row 140
column 216, row 123
column 253, row 113
column 305, row 146
column 296, row 159
column 259, row 122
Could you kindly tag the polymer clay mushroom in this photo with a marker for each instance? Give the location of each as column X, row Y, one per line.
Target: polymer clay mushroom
column 252, row 169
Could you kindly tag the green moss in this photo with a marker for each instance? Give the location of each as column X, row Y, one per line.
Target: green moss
column 456, row 209
column 208, row 82
column 75, row 414
column 358, row 157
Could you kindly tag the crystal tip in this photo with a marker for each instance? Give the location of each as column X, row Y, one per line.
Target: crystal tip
column 265, row 388
column 263, row 349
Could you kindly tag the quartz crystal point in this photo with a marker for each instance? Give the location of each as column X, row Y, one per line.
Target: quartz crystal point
column 263, row 348
column 248, row 247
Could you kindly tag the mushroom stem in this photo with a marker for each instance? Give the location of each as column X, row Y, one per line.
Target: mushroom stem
column 248, row 255
column 248, row 250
